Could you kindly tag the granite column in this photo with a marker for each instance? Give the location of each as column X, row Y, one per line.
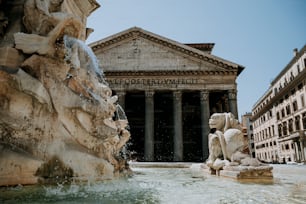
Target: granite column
column 205, row 114
column 232, row 96
column 178, row 126
column 149, row 126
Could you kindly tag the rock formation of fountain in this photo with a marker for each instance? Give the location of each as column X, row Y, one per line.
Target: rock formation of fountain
column 56, row 110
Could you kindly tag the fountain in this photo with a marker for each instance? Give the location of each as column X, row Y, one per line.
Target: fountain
column 57, row 112
column 60, row 124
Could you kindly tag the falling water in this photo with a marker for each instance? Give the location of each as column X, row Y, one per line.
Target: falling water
column 73, row 44
column 120, row 113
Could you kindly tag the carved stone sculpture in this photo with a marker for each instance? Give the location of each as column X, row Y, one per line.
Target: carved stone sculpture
column 56, row 109
column 228, row 149
column 226, row 137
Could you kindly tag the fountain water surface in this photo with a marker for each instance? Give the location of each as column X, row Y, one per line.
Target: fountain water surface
column 170, row 186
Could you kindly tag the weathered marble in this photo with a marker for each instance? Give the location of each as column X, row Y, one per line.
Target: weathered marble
column 247, row 172
column 228, row 154
column 10, row 59
column 57, row 112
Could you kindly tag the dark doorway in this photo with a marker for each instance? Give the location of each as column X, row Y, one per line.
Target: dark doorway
column 163, row 126
column 192, row 126
column 135, row 112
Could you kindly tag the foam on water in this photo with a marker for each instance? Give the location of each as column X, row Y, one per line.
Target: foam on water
column 169, row 185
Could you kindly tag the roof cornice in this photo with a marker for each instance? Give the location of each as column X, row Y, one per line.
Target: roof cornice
column 205, row 47
column 183, row 48
column 280, row 94
column 170, row 72
column 289, row 65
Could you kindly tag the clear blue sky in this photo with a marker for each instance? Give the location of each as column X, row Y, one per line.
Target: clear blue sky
column 258, row 34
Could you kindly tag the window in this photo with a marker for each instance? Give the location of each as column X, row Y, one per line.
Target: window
column 286, row 96
column 277, row 116
column 297, row 123
column 270, row 132
column 302, row 101
column 290, row 126
column 288, row 111
column 283, row 113
column 280, row 130
column 304, row 120
column 300, row 86
column 291, row 76
column 295, row 106
column 285, row 128
column 292, row 91
column 287, row 146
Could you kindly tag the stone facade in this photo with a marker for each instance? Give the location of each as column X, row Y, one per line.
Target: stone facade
column 247, row 125
column 279, row 116
column 169, row 90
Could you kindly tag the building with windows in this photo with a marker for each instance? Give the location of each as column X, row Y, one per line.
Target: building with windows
column 168, row 91
column 247, row 127
column 279, row 116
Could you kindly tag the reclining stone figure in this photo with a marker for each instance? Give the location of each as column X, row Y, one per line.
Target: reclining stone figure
column 227, row 143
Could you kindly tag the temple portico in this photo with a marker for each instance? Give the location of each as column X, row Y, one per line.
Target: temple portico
column 182, row 104
column 168, row 91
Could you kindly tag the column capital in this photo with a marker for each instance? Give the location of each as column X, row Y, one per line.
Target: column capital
column 232, row 94
column 204, row 95
column 120, row 93
column 177, row 95
column 149, row 93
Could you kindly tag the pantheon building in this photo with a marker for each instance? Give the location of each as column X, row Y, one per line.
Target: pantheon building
column 168, row 91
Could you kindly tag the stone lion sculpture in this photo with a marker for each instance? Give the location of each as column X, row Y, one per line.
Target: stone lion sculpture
column 226, row 142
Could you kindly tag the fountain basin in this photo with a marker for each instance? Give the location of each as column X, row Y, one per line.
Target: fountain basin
column 169, row 185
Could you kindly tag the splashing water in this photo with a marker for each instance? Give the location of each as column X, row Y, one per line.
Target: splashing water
column 120, row 113
column 169, row 185
column 72, row 46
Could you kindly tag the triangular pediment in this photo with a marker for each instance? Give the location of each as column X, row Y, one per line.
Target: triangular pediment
column 138, row 50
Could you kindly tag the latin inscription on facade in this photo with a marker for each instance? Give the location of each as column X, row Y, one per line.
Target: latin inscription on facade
column 150, row 82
